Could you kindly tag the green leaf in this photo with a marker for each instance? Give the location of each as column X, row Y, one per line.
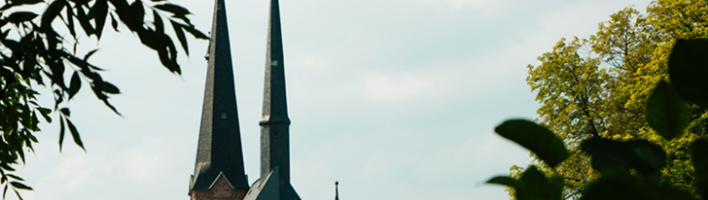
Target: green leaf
column 174, row 9
column 180, row 35
column 505, row 180
column 75, row 134
column 607, row 155
column 688, row 70
column 75, row 84
column 535, row 138
column 699, row 157
column 21, row 16
column 666, row 112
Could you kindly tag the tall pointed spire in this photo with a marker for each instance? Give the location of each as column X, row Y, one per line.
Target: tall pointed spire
column 275, row 134
column 219, row 155
column 275, row 151
column 336, row 190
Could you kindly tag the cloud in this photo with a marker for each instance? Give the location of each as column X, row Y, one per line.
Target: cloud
column 396, row 87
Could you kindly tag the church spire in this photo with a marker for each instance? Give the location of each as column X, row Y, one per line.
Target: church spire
column 275, row 132
column 336, row 190
column 275, row 151
column 219, row 154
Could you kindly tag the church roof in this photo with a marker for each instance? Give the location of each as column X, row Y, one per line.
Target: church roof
column 219, row 149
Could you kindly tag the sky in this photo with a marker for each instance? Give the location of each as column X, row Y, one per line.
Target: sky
column 395, row 99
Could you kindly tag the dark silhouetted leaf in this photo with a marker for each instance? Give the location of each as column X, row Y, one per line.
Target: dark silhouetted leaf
column 196, row 33
column 110, row 88
column 180, row 35
column 15, row 177
column 21, row 16
column 536, row 138
column 688, row 70
column 84, row 21
column 75, row 134
column 65, row 111
column 666, row 112
column 114, row 23
column 18, row 194
column 507, row 181
column 536, row 186
column 645, row 157
column 100, row 12
column 621, row 185
column 7, row 167
column 61, row 131
column 70, row 23
column 89, row 54
column 174, row 9
column 45, row 113
column 699, row 157
column 75, row 84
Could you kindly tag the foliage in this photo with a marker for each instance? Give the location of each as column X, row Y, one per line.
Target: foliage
column 35, row 51
column 599, row 88
column 628, row 169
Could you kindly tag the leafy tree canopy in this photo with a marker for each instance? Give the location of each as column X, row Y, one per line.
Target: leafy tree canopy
column 598, row 89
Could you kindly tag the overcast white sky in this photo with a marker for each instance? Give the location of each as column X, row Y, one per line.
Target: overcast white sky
column 396, row 99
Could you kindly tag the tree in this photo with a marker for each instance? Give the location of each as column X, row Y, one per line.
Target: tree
column 628, row 169
column 34, row 53
column 602, row 92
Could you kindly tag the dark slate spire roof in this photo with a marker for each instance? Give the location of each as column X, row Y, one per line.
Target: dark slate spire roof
column 275, row 122
column 219, row 148
column 336, row 190
column 274, row 183
column 275, row 109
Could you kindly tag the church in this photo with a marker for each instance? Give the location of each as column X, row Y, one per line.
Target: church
column 219, row 168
